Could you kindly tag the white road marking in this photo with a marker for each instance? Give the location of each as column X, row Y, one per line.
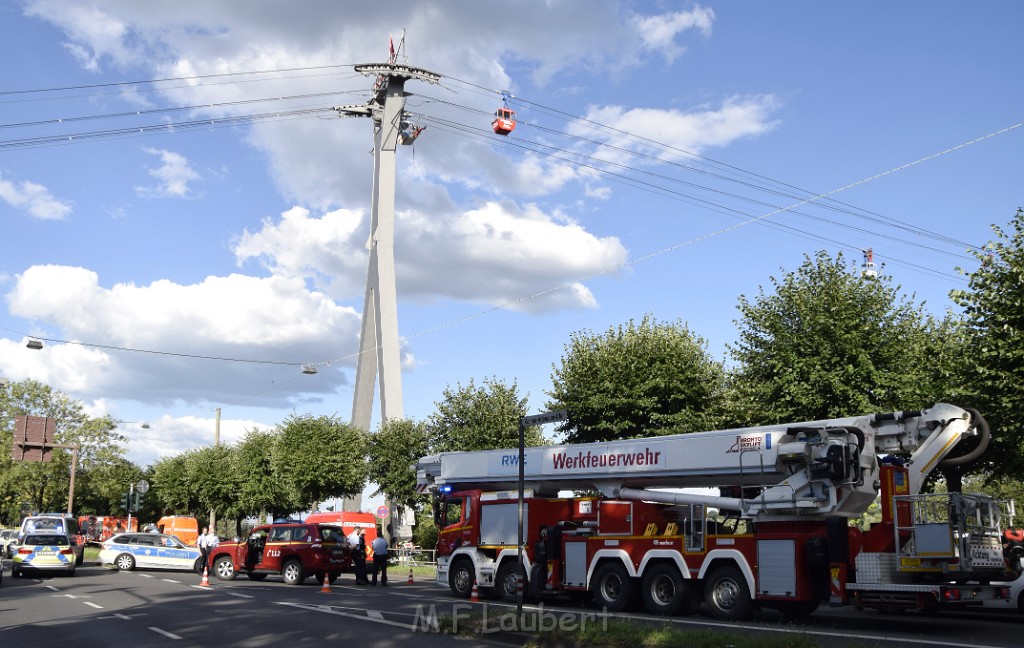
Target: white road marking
column 170, row 580
column 359, row 617
column 164, row 633
column 91, row 604
column 241, row 595
column 55, row 589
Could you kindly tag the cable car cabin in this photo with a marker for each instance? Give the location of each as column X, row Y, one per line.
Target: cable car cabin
column 504, row 121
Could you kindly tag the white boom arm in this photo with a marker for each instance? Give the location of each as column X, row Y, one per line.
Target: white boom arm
column 827, row 467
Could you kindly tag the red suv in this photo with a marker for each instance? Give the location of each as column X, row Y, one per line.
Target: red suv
column 295, row 550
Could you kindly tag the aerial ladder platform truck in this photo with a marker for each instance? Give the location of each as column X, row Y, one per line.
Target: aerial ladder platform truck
column 740, row 519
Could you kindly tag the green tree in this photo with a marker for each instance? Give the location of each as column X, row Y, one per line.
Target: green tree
column 216, row 477
column 44, row 486
column 993, row 307
column 174, row 486
column 393, row 449
column 321, row 456
column 828, row 343
column 261, row 489
column 479, row 418
column 636, row 380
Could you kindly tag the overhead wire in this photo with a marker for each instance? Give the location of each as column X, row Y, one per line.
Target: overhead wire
column 539, row 148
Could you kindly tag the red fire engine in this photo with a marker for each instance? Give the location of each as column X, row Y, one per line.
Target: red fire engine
column 777, row 534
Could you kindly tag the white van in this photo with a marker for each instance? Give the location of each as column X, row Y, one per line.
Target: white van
column 56, row 523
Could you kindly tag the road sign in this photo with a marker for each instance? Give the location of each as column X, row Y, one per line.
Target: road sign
column 33, row 438
column 546, row 417
column 383, row 512
column 142, row 486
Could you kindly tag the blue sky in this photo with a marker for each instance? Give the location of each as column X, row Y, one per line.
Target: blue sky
column 670, row 157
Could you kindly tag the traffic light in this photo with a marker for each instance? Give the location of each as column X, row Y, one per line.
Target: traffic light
column 125, row 501
column 138, row 501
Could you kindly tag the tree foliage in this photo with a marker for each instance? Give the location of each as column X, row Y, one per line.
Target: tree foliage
column 394, row 448
column 826, row 343
column 479, row 418
column 635, row 380
column 261, row 489
column 321, row 456
column 44, row 486
column 994, row 315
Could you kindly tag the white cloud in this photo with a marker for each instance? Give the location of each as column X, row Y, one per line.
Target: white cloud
column 34, row 199
column 255, row 321
column 687, row 131
column 173, row 176
column 659, row 32
column 496, row 254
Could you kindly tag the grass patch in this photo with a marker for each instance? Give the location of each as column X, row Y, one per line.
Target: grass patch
column 91, row 553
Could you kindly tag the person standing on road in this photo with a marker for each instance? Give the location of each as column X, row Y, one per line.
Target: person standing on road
column 212, row 540
column 359, row 557
column 380, row 560
column 203, row 550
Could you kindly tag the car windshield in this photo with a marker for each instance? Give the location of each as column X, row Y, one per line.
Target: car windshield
column 46, row 540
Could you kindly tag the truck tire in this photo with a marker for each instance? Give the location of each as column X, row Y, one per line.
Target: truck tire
column 292, row 572
column 727, row 596
column 506, row 587
column 224, row 568
column 664, row 590
column 612, row 587
column 461, row 578
column 125, row 562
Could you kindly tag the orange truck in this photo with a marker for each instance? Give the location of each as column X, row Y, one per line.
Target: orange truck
column 97, row 528
column 184, row 527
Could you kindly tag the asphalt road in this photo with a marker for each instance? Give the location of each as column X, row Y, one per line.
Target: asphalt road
column 99, row 607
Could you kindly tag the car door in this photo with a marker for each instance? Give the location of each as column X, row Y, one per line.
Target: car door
column 172, row 553
column 144, row 549
column 277, row 545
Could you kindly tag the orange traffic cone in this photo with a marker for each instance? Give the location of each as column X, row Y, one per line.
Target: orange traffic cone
column 326, row 589
column 206, row 578
column 474, row 594
column 409, row 582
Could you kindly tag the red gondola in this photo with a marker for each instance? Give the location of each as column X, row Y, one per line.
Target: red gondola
column 504, row 118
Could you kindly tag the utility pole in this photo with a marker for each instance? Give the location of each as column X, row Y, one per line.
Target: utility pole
column 379, row 355
column 216, row 442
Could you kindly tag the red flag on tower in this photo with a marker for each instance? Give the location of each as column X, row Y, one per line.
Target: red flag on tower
column 391, row 47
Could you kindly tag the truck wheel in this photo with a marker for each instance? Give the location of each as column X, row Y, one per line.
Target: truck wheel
column 293, row 573
column 224, row 568
column 664, row 590
column 125, row 562
column 461, row 578
column 727, row 596
column 508, row 581
column 612, row 587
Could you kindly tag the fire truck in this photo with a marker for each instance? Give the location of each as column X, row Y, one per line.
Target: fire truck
column 739, row 519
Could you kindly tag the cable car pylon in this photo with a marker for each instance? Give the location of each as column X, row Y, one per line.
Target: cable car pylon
column 378, row 340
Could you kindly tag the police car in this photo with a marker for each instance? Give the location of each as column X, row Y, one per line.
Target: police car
column 128, row 551
column 44, row 552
